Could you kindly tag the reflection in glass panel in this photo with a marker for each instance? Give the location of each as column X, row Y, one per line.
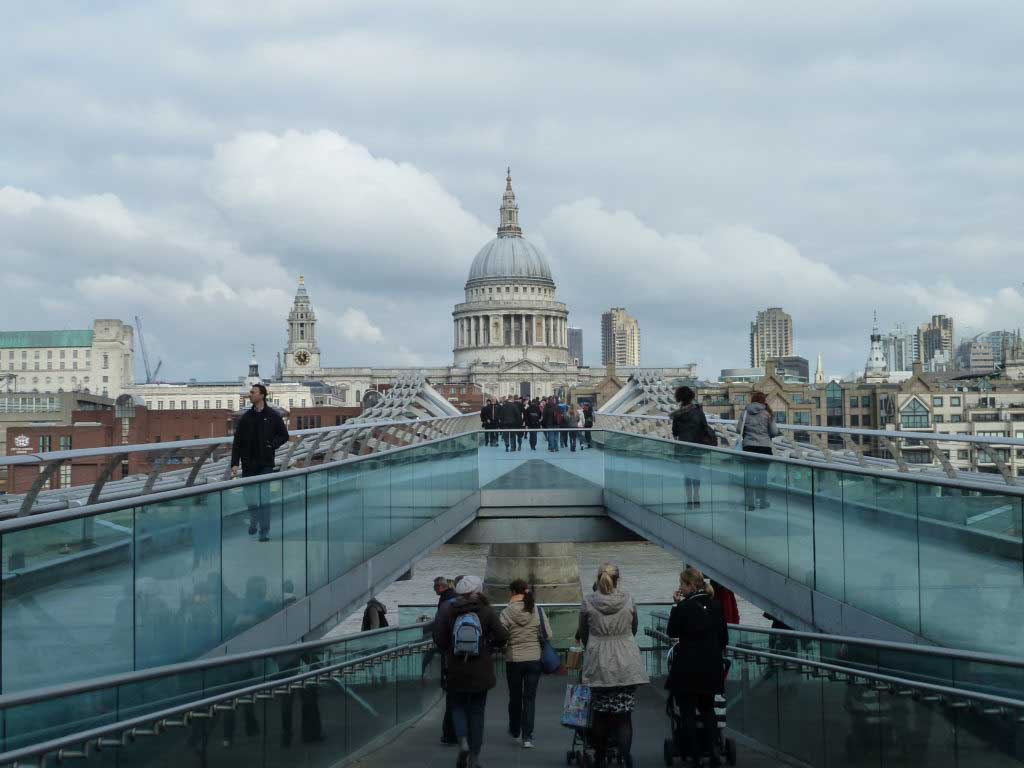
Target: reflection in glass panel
column 177, row 579
column 375, row 477
column 800, row 524
column 316, row 529
column 67, row 601
column 252, row 555
column 345, row 519
column 294, row 530
column 828, row 533
column 972, row 577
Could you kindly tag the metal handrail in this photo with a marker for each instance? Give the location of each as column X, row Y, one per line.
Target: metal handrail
column 851, row 675
column 126, row 729
column 917, row 477
column 126, row 678
column 889, row 645
column 939, row 436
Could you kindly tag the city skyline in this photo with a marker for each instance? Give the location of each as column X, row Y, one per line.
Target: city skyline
column 164, row 198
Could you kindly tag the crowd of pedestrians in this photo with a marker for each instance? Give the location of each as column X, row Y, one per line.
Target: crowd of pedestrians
column 520, row 419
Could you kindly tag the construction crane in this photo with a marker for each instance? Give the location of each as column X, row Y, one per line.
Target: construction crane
column 150, row 374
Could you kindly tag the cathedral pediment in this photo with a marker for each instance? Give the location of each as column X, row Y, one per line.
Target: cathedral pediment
column 523, row 366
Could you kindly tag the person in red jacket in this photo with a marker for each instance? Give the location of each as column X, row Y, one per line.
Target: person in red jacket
column 725, row 596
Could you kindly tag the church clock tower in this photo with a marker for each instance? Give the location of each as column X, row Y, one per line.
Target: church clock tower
column 302, row 355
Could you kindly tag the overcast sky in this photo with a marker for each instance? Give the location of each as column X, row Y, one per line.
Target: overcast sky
column 691, row 161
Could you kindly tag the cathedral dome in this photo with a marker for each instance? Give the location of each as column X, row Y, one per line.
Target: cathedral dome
column 510, row 257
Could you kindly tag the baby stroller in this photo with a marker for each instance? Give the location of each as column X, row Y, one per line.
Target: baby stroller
column 673, row 747
column 576, row 716
column 674, row 744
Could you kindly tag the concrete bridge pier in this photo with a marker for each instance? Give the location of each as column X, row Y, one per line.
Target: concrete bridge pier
column 552, row 570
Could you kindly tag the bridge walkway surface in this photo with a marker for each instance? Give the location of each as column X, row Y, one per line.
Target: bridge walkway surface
column 419, row 745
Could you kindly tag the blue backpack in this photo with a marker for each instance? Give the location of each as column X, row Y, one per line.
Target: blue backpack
column 466, row 635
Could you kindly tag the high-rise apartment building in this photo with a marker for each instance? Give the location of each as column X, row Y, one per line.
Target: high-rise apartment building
column 771, row 336
column 620, row 338
column 900, row 347
column 576, row 345
column 935, row 337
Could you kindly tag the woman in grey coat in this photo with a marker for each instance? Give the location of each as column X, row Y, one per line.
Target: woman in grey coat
column 612, row 665
column 756, row 429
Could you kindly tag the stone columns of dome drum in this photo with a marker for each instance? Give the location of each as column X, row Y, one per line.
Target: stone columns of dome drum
column 551, row 570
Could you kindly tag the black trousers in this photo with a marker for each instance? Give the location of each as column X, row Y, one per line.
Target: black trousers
column 523, row 678
column 692, row 705
column 259, row 511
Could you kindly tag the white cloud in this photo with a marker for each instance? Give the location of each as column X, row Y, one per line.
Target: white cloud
column 356, row 326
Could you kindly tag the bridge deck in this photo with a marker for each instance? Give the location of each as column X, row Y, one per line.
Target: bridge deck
column 419, row 746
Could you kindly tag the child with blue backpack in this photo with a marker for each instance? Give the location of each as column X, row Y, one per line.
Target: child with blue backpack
column 466, row 630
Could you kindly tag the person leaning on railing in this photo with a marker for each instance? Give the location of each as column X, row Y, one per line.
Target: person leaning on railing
column 756, row 428
column 690, row 425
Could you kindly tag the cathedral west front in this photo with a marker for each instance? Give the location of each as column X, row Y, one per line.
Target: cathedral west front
column 510, row 334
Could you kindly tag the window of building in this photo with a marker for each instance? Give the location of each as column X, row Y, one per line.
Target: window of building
column 963, row 455
column 36, row 366
column 914, row 415
column 206, row 404
column 106, row 379
column 65, row 442
column 62, row 353
column 45, row 441
column 106, row 361
column 802, row 417
column 49, row 354
column 65, row 475
column 854, row 420
column 865, row 420
column 184, row 405
column 954, row 401
column 74, row 353
column 937, row 400
column 956, row 418
column 156, row 439
column 865, row 401
column 36, row 354
column 938, row 418
column 217, row 404
column 854, row 401
column 74, row 365
column 159, row 405
column 780, row 417
column 291, row 403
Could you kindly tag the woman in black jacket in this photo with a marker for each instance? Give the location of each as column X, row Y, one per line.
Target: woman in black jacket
column 696, row 674
column 691, row 426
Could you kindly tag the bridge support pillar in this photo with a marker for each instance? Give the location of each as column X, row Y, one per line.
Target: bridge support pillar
column 552, row 570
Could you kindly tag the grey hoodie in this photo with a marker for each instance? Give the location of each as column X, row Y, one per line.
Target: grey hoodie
column 756, row 426
column 613, row 657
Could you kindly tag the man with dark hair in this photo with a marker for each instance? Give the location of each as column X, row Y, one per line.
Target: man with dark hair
column 445, row 594
column 258, row 435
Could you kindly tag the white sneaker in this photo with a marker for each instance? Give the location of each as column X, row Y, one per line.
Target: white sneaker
column 527, row 744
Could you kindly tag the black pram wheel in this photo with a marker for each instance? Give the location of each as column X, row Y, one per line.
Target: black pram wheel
column 730, row 751
column 669, row 752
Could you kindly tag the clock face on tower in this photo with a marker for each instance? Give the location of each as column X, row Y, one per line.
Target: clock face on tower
column 302, row 357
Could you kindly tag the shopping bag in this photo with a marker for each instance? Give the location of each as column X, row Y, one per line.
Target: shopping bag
column 576, row 709
column 574, row 658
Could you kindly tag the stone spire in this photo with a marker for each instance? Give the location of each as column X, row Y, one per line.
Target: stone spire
column 509, row 226
column 254, row 369
column 877, row 365
column 819, row 374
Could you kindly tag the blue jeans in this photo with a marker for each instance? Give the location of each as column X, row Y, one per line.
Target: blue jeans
column 552, row 437
column 523, row 678
column 468, row 718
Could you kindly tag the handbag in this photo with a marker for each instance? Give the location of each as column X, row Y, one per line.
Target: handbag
column 708, row 437
column 550, row 661
column 576, row 707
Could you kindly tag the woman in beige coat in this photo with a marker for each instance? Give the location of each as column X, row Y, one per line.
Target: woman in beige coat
column 612, row 665
column 522, row 618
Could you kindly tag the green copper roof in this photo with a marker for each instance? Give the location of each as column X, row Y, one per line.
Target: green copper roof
column 30, row 339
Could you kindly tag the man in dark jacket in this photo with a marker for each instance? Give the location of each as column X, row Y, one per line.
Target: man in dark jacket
column 511, row 418
column 550, row 421
column 588, row 423
column 469, row 677
column 487, row 421
column 258, row 435
column 445, row 594
column 533, row 419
